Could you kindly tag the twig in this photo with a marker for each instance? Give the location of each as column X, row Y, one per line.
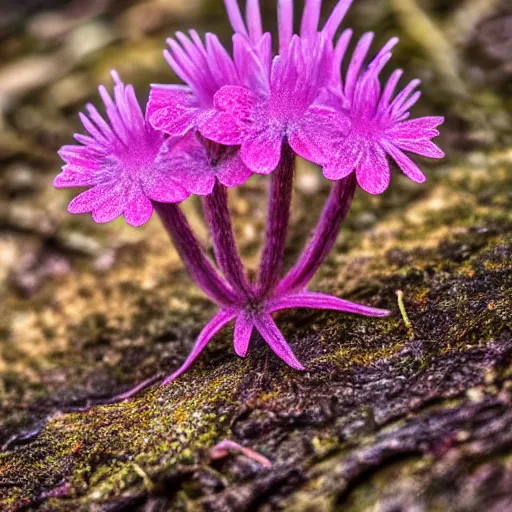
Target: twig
column 401, row 306
column 148, row 483
column 222, row 449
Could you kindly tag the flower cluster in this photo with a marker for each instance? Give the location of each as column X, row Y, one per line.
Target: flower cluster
column 249, row 112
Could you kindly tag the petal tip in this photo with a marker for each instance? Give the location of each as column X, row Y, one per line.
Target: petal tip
column 59, row 182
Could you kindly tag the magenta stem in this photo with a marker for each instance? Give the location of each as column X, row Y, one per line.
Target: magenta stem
column 224, row 243
column 311, row 300
column 324, row 236
column 216, row 324
column 198, row 265
column 279, row 202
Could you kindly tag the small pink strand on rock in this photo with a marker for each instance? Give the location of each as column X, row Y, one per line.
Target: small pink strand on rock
column 224, row 448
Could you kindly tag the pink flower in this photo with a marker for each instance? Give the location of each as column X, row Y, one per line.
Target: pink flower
column 197, row 164
column 245, row 113
column 205, row 68
column 252, row 28
column 379, row 125
column 261, row 124
column 118, row 162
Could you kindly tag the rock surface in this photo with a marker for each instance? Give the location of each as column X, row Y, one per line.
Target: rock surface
column 385, row 417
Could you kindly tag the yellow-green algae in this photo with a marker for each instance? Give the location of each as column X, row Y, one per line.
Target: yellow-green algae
column 98, row 448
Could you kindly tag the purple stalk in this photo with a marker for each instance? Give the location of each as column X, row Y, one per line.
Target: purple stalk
column 278, row 217
column 133, row 390
column 312, row 300
column 190, row 251
column 244, row 326
column 226, row 250
column 324, row 236
column 217, row 323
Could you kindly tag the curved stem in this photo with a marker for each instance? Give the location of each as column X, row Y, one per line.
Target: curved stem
column 280, row 197
column 198, row 265
column 311, row 300
column 224, row 243
column 217, row 323
column 324, row 236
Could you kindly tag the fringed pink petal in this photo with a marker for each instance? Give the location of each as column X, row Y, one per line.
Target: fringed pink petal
column 402, row 113
column 74, row 178
column 162, row 96
column 98, row 120
column 220, row 63
column 340, row 51
column 310, row 18
column 175, row 121
column 285, row 24
column 95, row 132
column 238, row 101
column 171, row 110
column 113, row 113
column 383, row 55
column 356, row 64
column 366, row 98
column 421, row 147
column 264, row 50
column 312, row 300
column 180, row 62
column 135, row 114
column 81, row 157
column 261, row 152
column 162, row 187
column 396, row 106
column 189, row 167
column 86, row 201
column 409, row 168
column 285, row 77
column 420, row 128
column 251, row 68
column 253, row 16
column 389, row 90
column 222, row 128
column 110, row 207
column 235, row 17
column 336, row 17
column 232, row 172
column 373, row 172
column 138, row 208
column 314, row 136
column 344, row 160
